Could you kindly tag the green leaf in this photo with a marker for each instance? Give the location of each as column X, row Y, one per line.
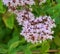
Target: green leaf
column 27, row 50
column 58, row 1
column 8, row 19
column 44, row 47
column 12, row 44
column 12, row 52
column 1, row 4
column 3, row 51
column 57, row 40
column 2, row 9
column 36, row 10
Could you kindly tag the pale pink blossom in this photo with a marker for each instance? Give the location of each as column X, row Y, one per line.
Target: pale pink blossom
column 37, row 30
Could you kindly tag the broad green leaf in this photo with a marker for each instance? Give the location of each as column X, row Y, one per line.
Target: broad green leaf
column 8, row 19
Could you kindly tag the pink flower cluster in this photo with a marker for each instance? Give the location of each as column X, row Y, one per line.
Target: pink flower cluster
column 35, row 29
column 23, row 16
column 12, row 4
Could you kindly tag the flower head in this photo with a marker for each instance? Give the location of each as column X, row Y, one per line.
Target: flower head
column 24, row 16
column 13, row 4
column 39, row 29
